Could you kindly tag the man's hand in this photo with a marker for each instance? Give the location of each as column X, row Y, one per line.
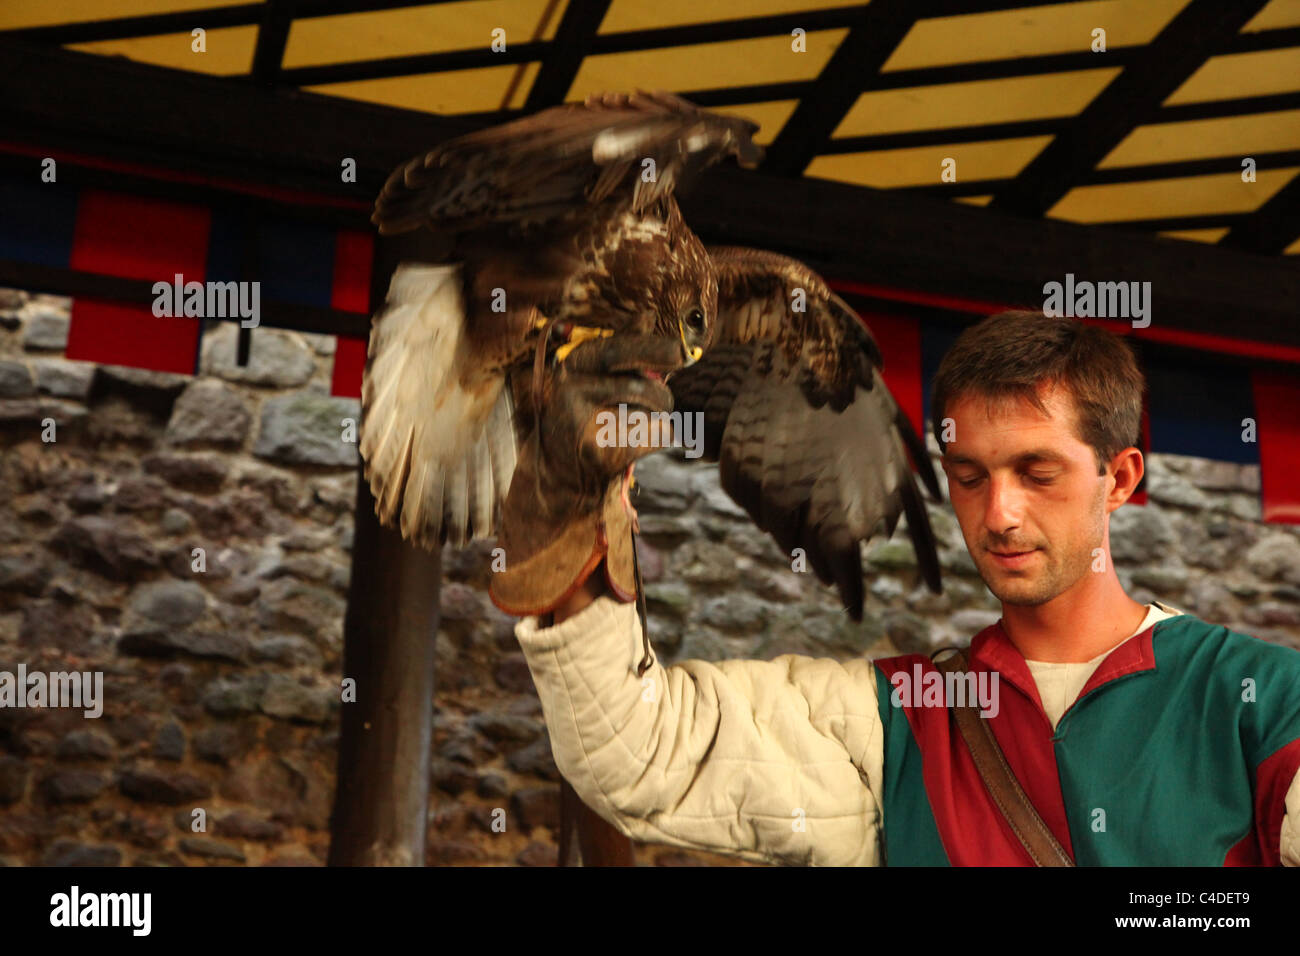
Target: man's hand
column 567, row 512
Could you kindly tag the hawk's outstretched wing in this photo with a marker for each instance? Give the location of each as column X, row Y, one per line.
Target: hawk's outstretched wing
column 808, row 439
column 555, row 163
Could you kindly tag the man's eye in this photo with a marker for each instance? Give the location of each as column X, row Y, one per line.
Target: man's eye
column 1042, row 481
column 968, row 482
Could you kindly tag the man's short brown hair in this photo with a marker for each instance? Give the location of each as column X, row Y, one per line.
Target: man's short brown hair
column 1009, row 355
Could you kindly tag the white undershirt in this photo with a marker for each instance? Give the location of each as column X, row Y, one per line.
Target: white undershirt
column 1059, row 683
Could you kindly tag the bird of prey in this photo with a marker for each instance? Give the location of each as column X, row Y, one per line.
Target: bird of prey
column 563, row 225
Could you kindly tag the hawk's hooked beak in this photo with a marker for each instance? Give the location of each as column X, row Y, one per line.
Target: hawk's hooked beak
column 691, row 352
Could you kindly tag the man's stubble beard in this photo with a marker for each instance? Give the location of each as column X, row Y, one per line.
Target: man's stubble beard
column 1060, row 571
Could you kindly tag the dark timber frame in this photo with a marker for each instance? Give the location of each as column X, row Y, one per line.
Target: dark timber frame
column 290, row 140
column 260, row 139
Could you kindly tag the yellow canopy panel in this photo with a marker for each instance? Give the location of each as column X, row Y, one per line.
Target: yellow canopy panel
column 921, row 166
column 624, row 16
column 226, row 51
column 1184, row 196
column 974, row 103
column 1231, row 136
column 20, row 14
column 708, row 65
column 408, row 31
column 1031, row 31
column 449, row 92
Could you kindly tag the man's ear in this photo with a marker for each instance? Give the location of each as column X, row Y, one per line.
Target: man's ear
column 1127, row 468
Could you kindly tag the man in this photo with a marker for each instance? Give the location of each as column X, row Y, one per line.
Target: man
column 1141, row 734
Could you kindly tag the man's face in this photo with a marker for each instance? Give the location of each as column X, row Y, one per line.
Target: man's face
column 1026, row 492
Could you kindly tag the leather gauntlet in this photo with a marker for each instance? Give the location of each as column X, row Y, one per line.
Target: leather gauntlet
column 567, row 510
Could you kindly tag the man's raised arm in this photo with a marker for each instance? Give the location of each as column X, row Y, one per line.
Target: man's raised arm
column 773, row 761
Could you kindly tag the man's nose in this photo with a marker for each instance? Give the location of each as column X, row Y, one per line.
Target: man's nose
column 1004, row 510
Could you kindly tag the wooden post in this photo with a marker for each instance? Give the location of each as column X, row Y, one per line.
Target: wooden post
column 381, row 803
column 598, row 842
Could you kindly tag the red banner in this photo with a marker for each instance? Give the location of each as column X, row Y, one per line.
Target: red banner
column 137, row 237
column 1277, row 400
column 353, row 254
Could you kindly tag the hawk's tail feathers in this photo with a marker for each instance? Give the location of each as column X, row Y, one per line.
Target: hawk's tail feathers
column 439, row 453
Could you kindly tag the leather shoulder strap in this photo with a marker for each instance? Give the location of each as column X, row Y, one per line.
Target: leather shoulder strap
column 1029, row 828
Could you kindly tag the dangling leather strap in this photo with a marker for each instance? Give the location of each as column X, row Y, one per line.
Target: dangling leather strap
column 1002, row 785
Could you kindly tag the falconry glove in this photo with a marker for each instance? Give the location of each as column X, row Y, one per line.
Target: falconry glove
column 568, row 509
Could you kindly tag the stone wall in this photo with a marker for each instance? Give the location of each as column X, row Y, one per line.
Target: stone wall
column 221, row 675
column 189, row 538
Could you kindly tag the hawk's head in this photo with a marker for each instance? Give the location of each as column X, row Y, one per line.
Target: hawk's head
column 686, row 297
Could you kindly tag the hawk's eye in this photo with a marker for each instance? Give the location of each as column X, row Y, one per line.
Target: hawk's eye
column 695, row 320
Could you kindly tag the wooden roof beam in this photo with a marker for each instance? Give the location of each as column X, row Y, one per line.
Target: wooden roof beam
column 581, row 20
column 272, row 35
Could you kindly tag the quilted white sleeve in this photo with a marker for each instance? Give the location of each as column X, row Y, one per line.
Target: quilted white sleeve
column 770, row 761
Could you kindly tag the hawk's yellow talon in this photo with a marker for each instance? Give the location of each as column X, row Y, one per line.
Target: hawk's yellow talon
column 580, row 334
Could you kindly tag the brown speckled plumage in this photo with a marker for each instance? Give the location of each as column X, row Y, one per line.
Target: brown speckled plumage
column 536, row 213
